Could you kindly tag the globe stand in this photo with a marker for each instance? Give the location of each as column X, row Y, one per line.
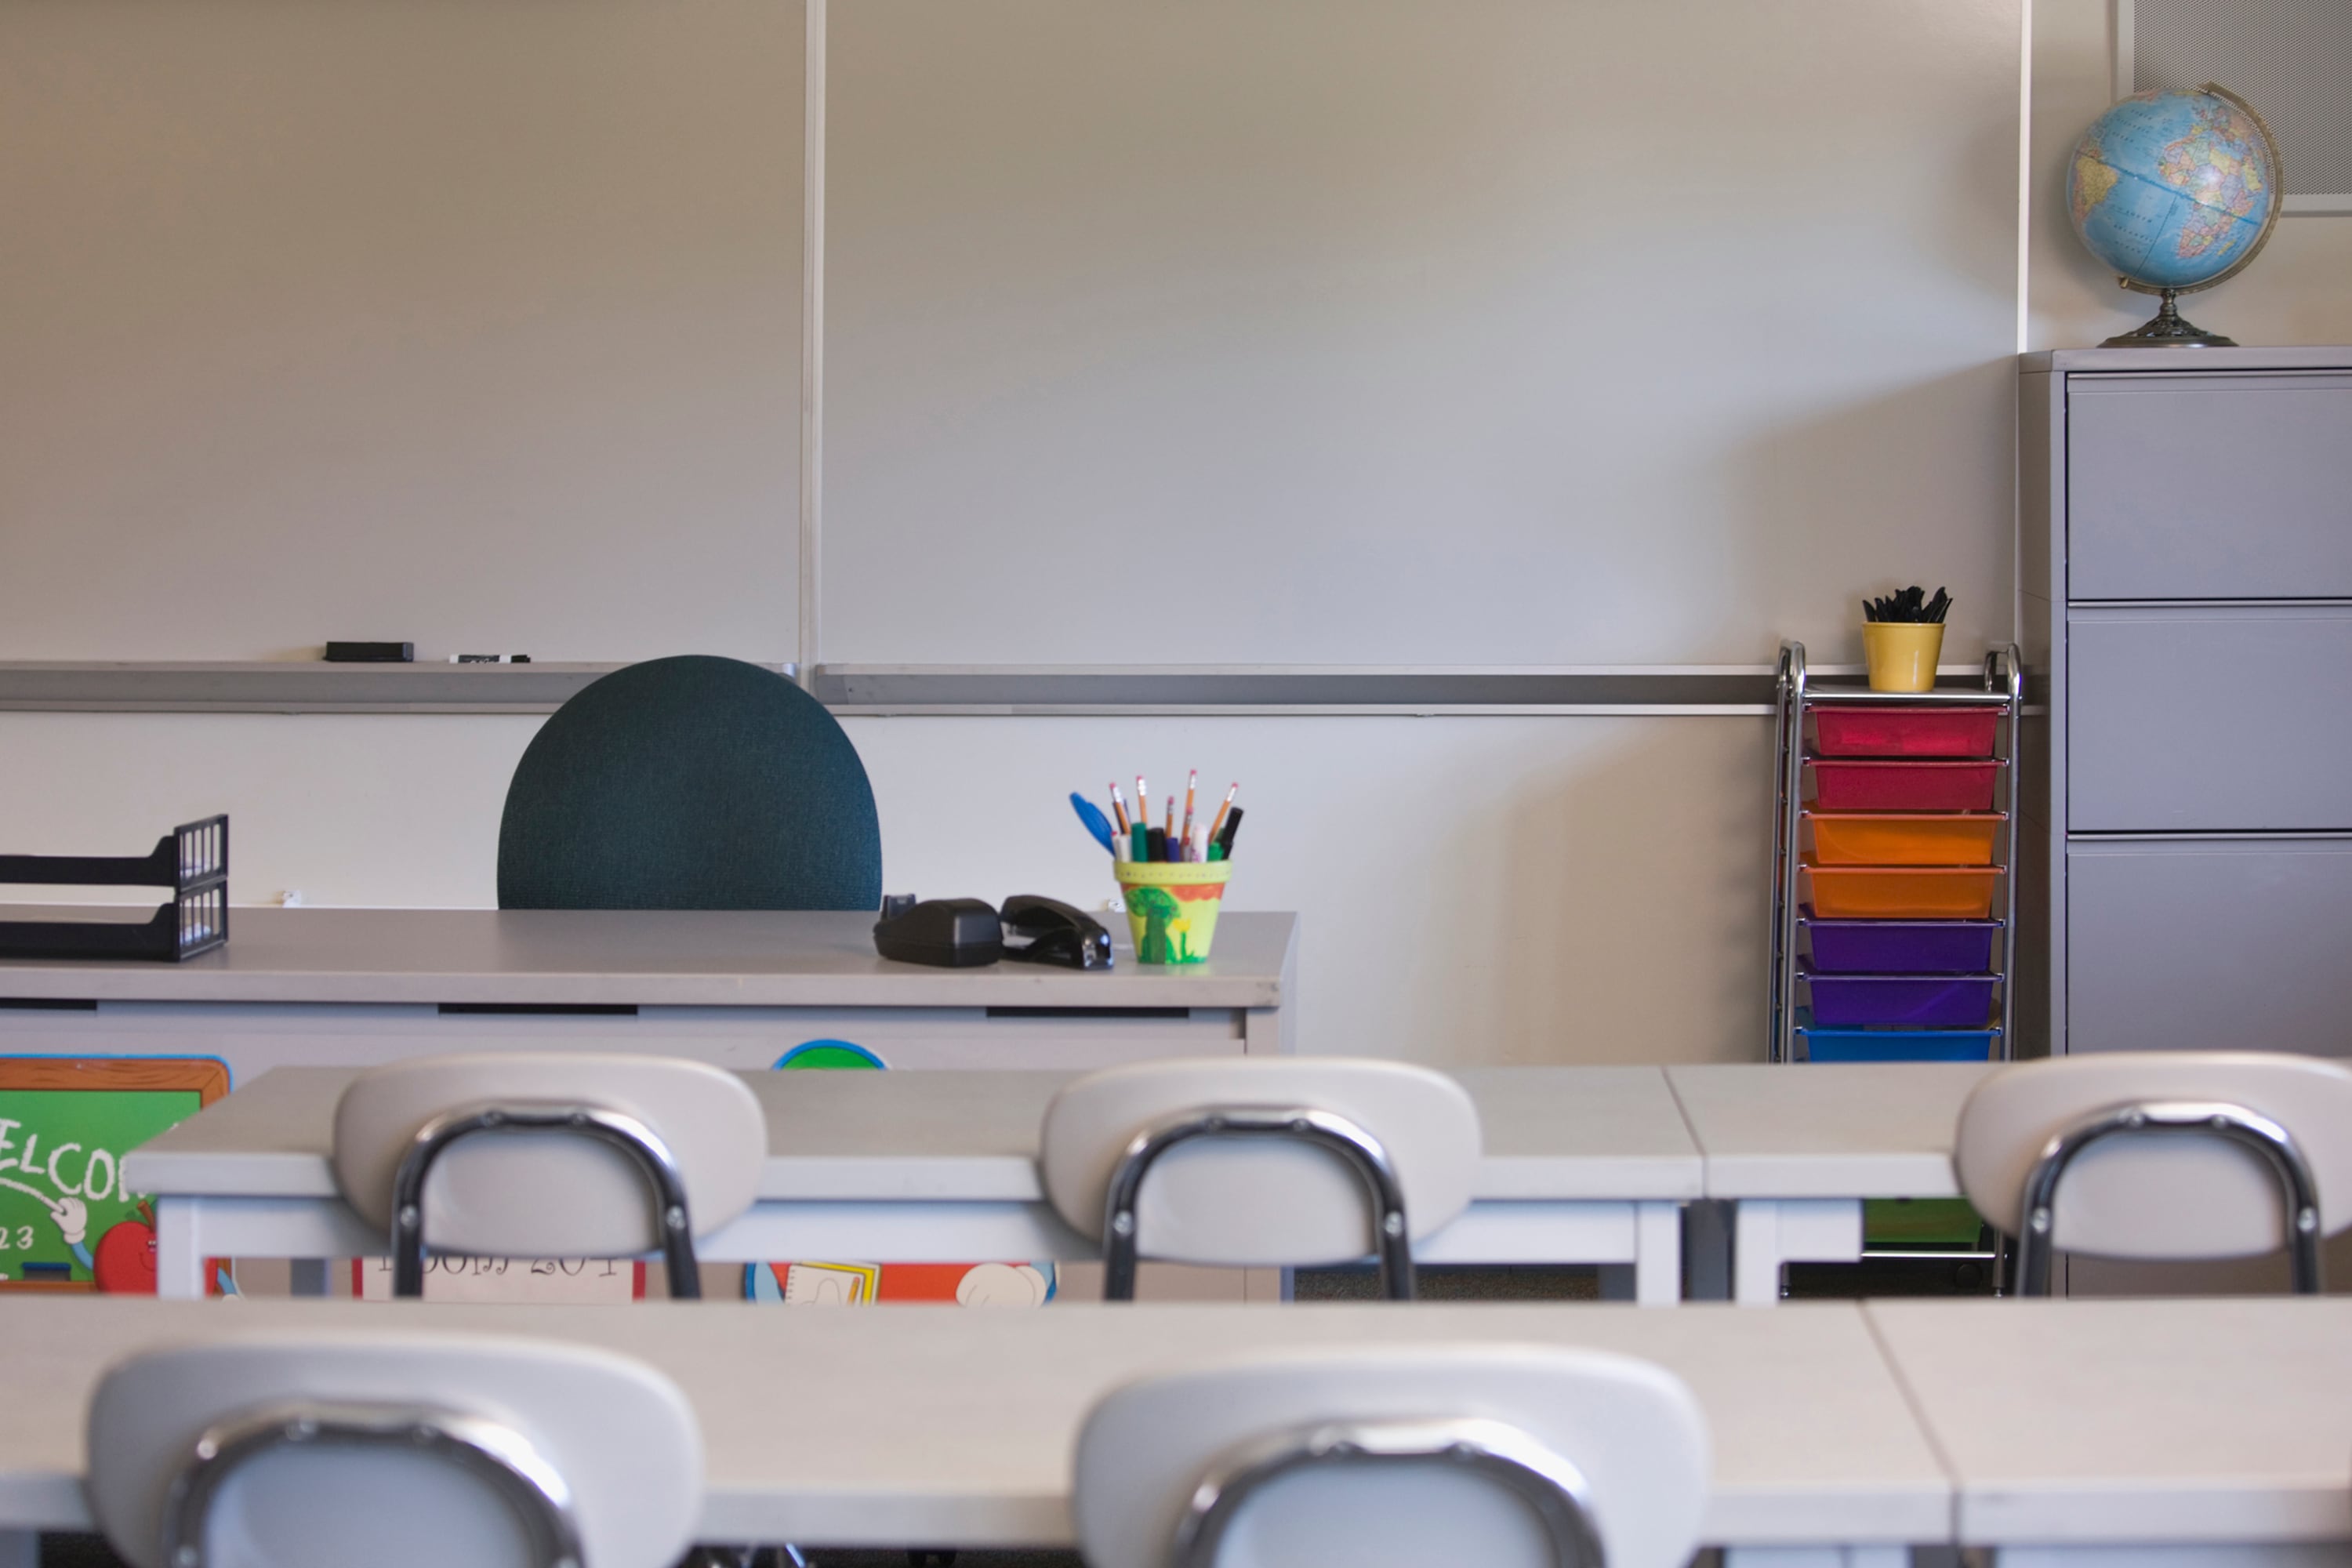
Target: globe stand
column 2166, row 330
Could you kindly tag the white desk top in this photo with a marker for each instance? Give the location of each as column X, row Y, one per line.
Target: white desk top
column 2136, row 1421
column 684, row 958
column 1826, row 1132
column 888, row 1425
column 1550, row 1133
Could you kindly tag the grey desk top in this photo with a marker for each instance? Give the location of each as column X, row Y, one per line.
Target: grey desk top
column 893, row 1424
column 687, row 958
column 1885, row 1130
column 2114, row 1421
column 1559, row 1133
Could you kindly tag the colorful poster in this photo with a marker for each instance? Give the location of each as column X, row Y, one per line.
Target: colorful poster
column 67, row 1220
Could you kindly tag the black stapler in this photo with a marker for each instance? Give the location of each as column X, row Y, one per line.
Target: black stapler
column 1039, row 930
column 950, row 933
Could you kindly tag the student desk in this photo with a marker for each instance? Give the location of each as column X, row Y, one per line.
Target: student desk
column 2138, row 1432
column 742, row 988
column 1582, row 1166
column 1795, row 1149
column 881, row 1426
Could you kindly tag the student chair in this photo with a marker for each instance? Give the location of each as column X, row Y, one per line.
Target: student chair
column 690, row 783
column 1396, row 1457
column 2173, row 1155
column 388, row 1449
column 1259, row 1162
column 548, row 1154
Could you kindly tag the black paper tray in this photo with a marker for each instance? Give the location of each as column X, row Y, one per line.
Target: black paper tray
column 191, row 860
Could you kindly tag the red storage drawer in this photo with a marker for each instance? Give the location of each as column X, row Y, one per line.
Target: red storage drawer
column 1905, row 731
column 1841, row 785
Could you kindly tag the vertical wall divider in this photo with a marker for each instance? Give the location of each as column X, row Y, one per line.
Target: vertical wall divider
column 811, row 637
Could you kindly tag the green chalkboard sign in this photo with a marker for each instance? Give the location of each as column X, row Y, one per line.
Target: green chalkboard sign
column 66, row 1221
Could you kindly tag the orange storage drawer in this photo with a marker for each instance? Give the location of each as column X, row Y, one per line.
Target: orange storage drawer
column 1903, row 838
column 1901, row 893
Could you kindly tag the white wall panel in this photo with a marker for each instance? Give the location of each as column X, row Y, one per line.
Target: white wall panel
column 1488, row 332
column 474, row 324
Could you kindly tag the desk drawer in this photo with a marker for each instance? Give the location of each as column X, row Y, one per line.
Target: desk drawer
column 2209, row 944
column 2209, row 487
column 2223, row 719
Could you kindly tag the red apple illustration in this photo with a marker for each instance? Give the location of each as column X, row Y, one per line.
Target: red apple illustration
column 125, row 1259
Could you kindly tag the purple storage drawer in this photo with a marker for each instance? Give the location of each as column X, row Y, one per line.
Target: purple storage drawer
column 1912, row 1001
column 1900, row 947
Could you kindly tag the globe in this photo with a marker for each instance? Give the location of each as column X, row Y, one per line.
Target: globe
column 2175, row 190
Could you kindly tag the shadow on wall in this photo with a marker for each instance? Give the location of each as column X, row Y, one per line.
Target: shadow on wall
column 1803, row 483
column 1631, row 923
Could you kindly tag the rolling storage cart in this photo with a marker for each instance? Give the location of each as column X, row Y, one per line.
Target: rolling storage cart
column 1894, row 867
column 1894, row 901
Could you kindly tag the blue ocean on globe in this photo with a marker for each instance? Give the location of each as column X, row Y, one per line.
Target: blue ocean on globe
column 2172, row 188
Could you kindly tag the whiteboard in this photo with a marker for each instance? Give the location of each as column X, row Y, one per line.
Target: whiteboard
column 476, row 325
column 1401, row 333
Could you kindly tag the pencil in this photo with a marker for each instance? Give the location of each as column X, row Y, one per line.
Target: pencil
column 1171, row 822
column 1119, row 806
column 1191, row 784
column 1218, row 820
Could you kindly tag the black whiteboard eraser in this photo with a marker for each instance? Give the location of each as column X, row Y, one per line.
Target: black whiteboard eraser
column 371, row 653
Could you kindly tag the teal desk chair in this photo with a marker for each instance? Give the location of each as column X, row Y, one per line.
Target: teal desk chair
column 690, row 783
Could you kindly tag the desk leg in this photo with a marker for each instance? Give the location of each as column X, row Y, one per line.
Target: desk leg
column 1267, row 1031
column 179, row 1248
column 1707, row 1250
column 1657, row 1254
column 1769, row 1232
column 20, row 1549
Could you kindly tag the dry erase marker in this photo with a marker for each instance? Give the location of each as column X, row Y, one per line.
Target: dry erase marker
column 1232, row 825
column 1139, row 843
column 489, row 658
column 1158, row 843
column 1122, row 850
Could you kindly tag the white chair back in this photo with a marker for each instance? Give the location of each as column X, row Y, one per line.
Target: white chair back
column 550, row 1155
column 1260, row 1162
column 1504, row 1456
column 389, row 1450
column 2161, row 1155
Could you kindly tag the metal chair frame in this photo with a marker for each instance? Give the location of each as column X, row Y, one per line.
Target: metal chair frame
column 2206, row 1118
column 495, row 1452
column 1356, row 1147
column 1551, row 1487
column 623, row 1131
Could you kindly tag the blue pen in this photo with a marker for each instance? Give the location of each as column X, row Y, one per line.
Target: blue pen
column 1096, row 822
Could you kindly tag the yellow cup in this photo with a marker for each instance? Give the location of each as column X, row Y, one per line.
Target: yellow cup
column 1172, row 906
column 1901, row 654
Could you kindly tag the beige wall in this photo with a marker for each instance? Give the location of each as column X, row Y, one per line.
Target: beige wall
column 1476, row 890
column 2299, row 290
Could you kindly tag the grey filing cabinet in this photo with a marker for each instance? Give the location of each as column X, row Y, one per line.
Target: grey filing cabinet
column 2186, row 572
